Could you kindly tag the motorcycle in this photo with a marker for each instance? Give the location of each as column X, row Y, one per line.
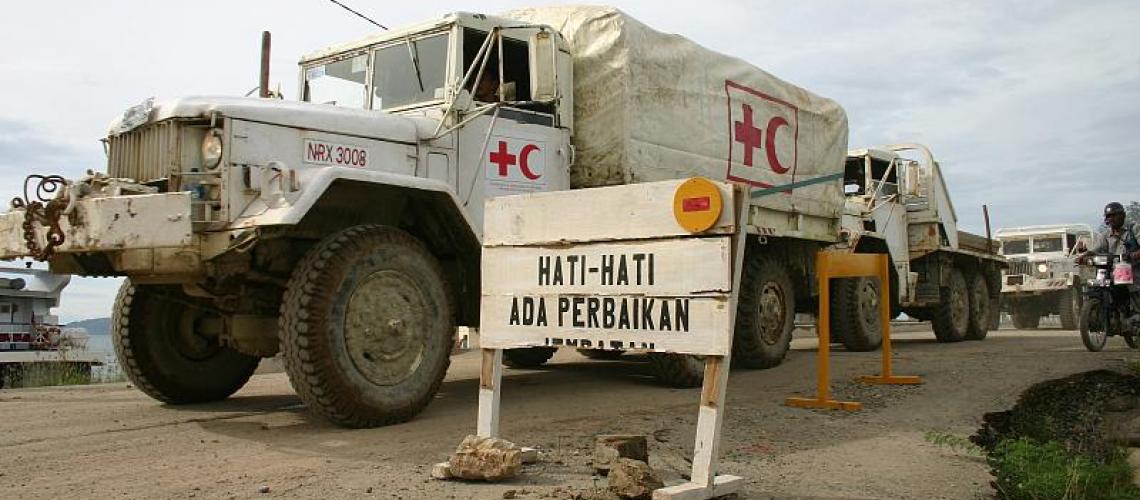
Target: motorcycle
column 1107, row 309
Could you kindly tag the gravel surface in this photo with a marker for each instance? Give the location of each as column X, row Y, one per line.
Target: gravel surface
column 111, row 441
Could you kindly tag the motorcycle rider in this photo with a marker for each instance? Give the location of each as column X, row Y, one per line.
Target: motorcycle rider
column 1119, row 239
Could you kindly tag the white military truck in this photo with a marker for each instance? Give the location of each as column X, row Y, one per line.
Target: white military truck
column 343, row 229
column 898, row 203
column 1043, row 277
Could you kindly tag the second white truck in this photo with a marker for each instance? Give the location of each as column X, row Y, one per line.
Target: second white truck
column 1043, row 277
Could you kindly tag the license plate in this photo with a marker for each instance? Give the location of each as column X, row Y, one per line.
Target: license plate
column 331, row 153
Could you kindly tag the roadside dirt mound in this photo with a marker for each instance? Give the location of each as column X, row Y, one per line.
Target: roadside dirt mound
column 1069, row 410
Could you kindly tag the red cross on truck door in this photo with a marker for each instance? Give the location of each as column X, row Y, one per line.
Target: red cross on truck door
column 763, row 137
column 514, row 165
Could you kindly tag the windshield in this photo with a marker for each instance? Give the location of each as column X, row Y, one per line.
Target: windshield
column 1014, row 247
column 339, row 83
column 1043, row 244
column 409, row 72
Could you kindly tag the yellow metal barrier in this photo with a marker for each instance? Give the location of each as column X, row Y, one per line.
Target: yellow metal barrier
column 830, row 265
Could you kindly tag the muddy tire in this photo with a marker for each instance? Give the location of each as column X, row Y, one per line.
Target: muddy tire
column 677, row 370
column 980, row 304
column 367, row 326
column 1025, row 317
column 604, row 354
column 1069, row 308
column 951, row 319
column 1094, row 331
column 764, row 315
column 855, row 314
column 528, row 357
column 167, row 344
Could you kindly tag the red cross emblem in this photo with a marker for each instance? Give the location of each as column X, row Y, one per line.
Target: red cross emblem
column 758, row 121
column 504, row 159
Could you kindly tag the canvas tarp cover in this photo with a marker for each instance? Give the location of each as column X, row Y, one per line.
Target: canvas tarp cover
column 651, row 106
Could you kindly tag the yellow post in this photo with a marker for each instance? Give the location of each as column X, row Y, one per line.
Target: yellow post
column 823, row 270
column 887, row 377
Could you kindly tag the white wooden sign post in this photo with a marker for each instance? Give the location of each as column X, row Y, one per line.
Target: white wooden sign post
column 618, row 268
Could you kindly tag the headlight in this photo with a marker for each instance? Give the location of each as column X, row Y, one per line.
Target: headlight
column 1042, row 268
column 212, row 149
column 1100, row 260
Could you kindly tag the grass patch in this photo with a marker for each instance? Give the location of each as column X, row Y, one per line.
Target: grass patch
column 1025, row 469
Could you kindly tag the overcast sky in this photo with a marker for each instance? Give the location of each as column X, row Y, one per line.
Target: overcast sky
column 1032, row 107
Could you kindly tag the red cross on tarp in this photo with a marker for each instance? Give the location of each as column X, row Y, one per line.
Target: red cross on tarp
column 502, row 158
column 746, row 134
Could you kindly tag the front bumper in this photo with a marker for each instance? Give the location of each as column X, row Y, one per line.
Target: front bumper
column 1024, row 284
column 107, row 224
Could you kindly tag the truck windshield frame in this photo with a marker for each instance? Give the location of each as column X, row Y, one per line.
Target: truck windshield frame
column 384, row 76
column 1019, row 246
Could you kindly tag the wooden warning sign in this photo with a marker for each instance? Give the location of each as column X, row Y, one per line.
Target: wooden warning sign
column 650, row 266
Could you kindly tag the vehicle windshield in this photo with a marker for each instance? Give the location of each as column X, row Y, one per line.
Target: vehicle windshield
column 340, row 83
column 1015, row 247
column 409, row 72
column 1042, row 244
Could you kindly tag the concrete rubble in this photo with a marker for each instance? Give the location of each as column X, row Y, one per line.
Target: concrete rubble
column 633, row 479
column 608, row 448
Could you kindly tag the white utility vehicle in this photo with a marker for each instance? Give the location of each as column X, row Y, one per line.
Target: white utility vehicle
column 898, row 203
column 1043, row 277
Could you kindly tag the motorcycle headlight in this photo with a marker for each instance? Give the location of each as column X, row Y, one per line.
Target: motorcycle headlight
column 1042, row 268
column 212, row 149
column 1100, row 260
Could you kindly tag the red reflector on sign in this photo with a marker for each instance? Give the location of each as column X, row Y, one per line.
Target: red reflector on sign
column 695, row 204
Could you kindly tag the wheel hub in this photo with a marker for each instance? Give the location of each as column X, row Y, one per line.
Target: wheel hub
column 772, row 313
column 869, row 304
column 385, row 326
column 196, row 334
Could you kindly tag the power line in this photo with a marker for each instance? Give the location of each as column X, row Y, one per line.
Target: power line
column 362, row 16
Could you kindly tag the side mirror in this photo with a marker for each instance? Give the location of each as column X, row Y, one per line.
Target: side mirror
column 543, row 78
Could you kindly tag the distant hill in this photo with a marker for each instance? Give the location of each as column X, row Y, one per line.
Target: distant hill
column 95, row 326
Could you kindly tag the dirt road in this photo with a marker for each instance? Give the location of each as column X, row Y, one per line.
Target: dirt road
column 111, row 441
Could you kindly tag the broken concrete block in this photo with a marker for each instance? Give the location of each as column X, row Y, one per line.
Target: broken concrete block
column 441, row 471
column 633, row 479
column 610, row 447
column 485, row 459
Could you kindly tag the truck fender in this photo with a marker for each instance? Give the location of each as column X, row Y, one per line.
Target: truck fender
column 292, row 207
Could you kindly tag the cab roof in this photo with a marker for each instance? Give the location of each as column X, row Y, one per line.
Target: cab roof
column 1043, row 229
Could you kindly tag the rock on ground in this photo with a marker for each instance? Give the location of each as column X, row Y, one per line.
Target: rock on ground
column 608, row 448
column 485, row 459
column 633, row 479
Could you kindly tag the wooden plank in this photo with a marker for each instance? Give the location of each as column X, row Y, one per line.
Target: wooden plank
column 722, row 486
column 649, row 267
column 628, row 212
column 490, row 381
column 689, row 325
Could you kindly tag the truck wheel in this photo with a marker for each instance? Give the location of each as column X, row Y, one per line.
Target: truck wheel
column 366, row 327
column 1025, row 317
column 855, row 314
column 764, row 315
column 951, row 318
column 167, row 343
column 606, row 354
column 1069, row 307
column 677, row 370
column 527, row 357
column 980, row 304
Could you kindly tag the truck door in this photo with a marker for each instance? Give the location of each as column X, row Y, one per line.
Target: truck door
column 515, row 148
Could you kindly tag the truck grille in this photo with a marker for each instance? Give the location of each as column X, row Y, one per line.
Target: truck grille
column 1020, row 267
column 145, row 154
